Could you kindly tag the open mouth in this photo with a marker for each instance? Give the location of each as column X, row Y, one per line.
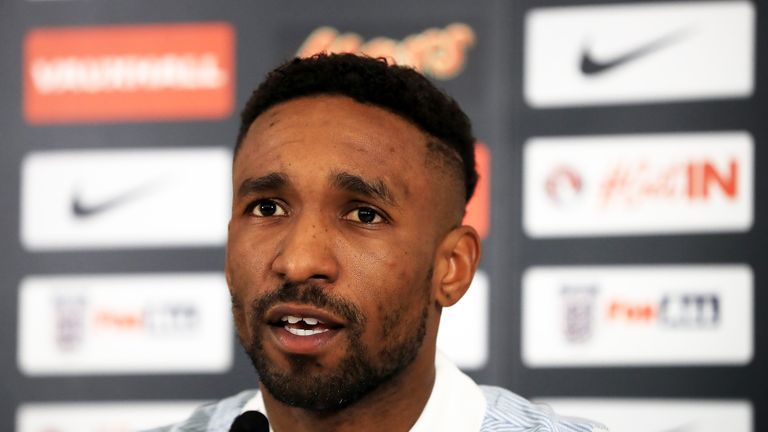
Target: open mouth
column 303, row 321
column 303, row 325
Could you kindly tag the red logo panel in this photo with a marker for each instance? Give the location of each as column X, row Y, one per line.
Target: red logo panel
column 128, row 73
column 479, row 207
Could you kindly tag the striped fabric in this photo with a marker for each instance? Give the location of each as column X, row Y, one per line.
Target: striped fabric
column 508, row 412
column 505, row 412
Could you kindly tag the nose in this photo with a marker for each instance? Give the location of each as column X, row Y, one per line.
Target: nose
column 306, row 252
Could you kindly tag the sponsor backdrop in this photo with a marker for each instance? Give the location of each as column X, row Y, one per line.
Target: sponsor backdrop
column 619, row 145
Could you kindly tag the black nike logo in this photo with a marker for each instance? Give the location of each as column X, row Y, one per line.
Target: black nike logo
column 591, row 67
column 81, row 210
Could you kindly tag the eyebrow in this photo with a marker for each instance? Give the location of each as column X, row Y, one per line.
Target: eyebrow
column 268, row 182
column 376, row 189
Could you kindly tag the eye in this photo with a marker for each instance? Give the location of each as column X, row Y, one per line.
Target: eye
column 365, row 215
column 266, row 208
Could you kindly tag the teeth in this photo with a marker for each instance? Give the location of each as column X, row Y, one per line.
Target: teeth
column 302, row 332
column 294, row 319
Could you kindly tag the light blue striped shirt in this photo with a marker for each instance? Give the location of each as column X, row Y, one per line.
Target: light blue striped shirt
column 457, row 404
column 505, row 412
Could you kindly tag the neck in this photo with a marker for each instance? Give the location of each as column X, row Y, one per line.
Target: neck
column 395, row 406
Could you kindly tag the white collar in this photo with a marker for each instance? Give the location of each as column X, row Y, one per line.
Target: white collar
column 256, row 403
column 455, row 404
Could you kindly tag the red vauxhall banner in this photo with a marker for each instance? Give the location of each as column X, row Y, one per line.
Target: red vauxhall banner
column 128, row 73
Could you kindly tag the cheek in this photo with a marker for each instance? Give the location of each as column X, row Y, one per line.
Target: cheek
column 245, row 266
column 374, row 274
column 246, row 259
column 241, row 324
column 237, row 280
column 396, row 258
column 397, row 296
column 401, row 310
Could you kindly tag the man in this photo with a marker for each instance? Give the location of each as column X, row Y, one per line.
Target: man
column 350, row 181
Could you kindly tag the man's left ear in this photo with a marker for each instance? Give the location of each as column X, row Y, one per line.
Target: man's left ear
column 457, row 260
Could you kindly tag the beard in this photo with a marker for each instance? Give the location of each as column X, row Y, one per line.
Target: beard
column 307, row 385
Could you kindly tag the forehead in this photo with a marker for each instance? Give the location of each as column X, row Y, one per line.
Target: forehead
column 334, row 133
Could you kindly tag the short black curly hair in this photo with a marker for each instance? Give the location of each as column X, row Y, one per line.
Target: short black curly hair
column 397, row 89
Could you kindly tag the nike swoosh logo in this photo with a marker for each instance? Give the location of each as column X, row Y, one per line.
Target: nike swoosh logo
column 592, row 67
column 81, row 210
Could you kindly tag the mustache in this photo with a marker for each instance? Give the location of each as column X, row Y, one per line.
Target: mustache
column 308, row 294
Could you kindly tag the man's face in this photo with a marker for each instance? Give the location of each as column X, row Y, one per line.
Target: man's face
column 336, row 218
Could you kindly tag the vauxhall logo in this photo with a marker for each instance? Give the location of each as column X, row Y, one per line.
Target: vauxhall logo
column 128, row 72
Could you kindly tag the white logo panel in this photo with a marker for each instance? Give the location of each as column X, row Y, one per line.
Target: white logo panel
column 638, row 184
column 463, row 335
column 125, row 198
column 637, row 315
column 100, row 416
column 124, row 324
column 669, row 415
column 587, row 55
